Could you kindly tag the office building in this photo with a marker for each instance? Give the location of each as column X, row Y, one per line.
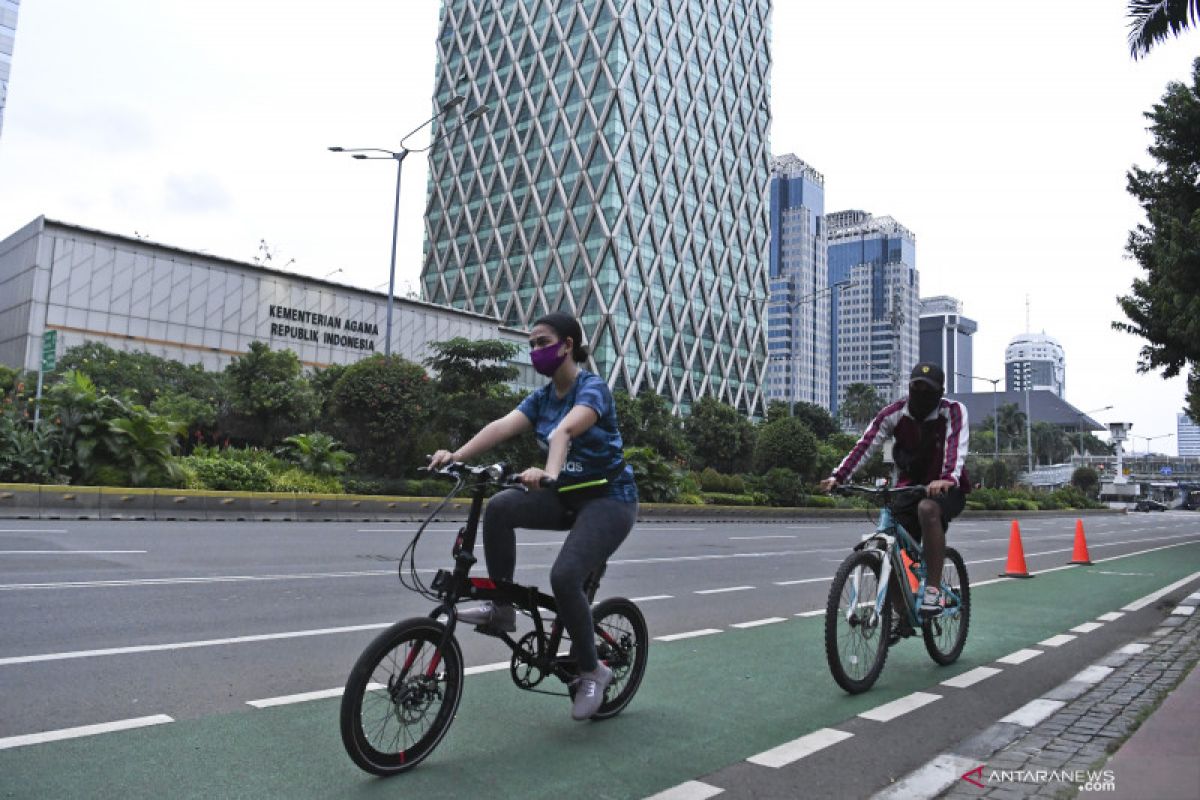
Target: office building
column 84, row 285
column 798, row 314
column 946, row 340
column 8, row 36
column 620, row 175
column 1187, row 434
column 1035, row 361
column 875, row 306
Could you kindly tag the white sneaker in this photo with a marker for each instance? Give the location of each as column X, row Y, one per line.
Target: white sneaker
column 931, row 602
column 589, row 692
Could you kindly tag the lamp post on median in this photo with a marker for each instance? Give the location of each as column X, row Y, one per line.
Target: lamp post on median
column 1083, row 414
column 367, row 154
column 995, row 382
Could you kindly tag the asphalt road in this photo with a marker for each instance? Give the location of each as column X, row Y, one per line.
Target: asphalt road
column 107, row 621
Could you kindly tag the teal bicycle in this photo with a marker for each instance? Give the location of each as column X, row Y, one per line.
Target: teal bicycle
column 885, row 576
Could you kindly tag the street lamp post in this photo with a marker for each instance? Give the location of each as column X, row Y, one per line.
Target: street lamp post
column 1083, row 414
column 1149, row 439
column 995, row 411
column 365, row 153
column 796, row 304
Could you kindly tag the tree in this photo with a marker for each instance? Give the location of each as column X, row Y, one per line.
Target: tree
column 719, row 436
column 647, row 421
column 1051, row 444
column 383, row 408
column 786, row 443
column 316, row 453
column 1150, row 21
column 1164, row 306
column 471, row 378
column 268, row 397
column 137, row 377
column 1085, row 479
column 1011, row 421
column 861, row 405
column 818, row 420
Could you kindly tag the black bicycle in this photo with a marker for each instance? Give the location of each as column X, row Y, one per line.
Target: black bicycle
column 404, row 690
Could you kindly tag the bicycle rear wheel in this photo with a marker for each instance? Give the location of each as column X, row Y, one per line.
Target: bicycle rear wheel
column 401, row 696
column 855, row 635
column 622, row 642
column 946, row 634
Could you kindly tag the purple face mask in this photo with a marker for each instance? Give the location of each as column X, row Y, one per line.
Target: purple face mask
column 546, row 360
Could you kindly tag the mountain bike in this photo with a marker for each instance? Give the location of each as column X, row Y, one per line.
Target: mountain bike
column 886, row 572
column 404, row 690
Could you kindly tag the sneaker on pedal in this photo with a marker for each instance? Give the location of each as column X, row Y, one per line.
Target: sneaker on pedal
column 931, row 603
column 589, row 692
column 490, row 615
column 900, row 629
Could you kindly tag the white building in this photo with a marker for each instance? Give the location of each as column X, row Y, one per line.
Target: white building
column 1188, row 436
column 1035, row 361
column 133, row 294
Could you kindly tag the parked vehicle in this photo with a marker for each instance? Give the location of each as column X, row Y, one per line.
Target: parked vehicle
column 1149, row 505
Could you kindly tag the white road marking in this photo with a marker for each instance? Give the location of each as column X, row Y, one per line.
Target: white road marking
column 1193, row 598
column 33, row 530
column 1019, row 657
column 803, row 580
column 771, row 536
column 70, row 552
column 1183, row 611
column 815, row 613
column 1033, row 712
column 971, row 677
column 929, row 780
column 725, row 589
column 691, row 790
column 650, row 597
column 719, row 556
column 1057, row 641
column 9, row 587
column 758, row 622
column 797, row 749
column 154, row 648
column 1093, row 674
column 83, row 730
column 674, row 637
column 1134, row 649
column 1138, row 605
column 324, row 694
column 1087, row 627
column 896, row 708
column 1111, row 616
column 494, row 667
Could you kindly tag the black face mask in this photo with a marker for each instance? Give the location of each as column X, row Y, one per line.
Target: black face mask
column 922, row 400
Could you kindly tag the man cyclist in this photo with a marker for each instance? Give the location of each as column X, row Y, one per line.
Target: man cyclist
column 575, row 421
column 930, row 436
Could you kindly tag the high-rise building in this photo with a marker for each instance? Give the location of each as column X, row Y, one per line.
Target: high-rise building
column 8, row 36
column 621, row 175
column 1035, row 361
column 946, row 340
column 798, row 314
column 875, row 304
column 1187, row 435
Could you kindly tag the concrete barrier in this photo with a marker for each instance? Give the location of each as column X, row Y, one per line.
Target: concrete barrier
column 126, row 503
column 317, row 507
column 351, row 508
column 229, row 506
column 70, row 502
column 273, row 506
column 20, row 500
column 179, row 504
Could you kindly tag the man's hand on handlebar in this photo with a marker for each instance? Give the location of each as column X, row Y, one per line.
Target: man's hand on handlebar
column 939, row 487
column 828, row 485
column 440, row 459
column 532, row 478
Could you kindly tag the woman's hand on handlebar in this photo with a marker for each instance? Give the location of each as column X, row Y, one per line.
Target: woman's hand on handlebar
column 440, row 459
column 532, row 478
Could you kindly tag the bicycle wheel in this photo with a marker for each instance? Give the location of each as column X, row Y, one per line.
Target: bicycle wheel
column 401, row 697
column 946, row 633
column 855, row 635
column 623, row 644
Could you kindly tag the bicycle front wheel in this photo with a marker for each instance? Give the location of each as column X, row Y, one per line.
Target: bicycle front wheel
column 622, row 643
column 855, row 634
column 946, row 634
column 401, row 696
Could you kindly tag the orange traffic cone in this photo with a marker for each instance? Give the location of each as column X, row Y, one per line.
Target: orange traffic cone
column 913, row 583
column 1016, row 556
column 1080, row 554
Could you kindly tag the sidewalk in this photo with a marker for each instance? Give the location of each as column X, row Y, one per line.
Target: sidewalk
column 1090, row 716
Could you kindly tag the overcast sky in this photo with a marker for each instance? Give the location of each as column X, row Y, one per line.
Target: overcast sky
column 999, row 133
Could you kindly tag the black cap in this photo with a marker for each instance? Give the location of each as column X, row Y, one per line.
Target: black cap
column 930, row 373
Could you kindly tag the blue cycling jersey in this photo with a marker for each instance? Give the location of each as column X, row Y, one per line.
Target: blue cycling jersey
column 598, row 451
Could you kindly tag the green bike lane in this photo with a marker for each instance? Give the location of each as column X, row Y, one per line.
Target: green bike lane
column 706, row 703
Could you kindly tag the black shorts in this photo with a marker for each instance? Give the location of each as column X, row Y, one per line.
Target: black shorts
column 952, row 502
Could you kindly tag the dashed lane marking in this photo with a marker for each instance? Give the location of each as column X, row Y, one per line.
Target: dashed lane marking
column 797, row 749
column 725, row 589
column 1138, row 605
column 1057, row 641
column 1033, row 712
column 971, row 677
column 33, row 530
column 930, row 780
column 1183, row 611
column 324, row 694
column 650, row 597
column 1111, row 616
column 1019, row 657
column 759, row 622
column 691, row 790
column 772, row 536
column 1134, row 648
column 1087, row 627
column 674, row 637
column 83, row 730
column 815, row 613
column 70, row 552
column 1093, row 674
column 897, row 708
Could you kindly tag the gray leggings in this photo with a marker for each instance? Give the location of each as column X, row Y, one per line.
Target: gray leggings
column 598, row 530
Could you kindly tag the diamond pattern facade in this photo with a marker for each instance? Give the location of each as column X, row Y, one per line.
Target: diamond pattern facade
column 621, row 175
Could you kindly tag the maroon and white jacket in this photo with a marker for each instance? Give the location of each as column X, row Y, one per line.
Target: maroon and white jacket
column 934, row 448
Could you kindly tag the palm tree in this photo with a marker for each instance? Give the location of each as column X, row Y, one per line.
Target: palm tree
column 1012, row 426
column 1150, row 22
column 861, row 405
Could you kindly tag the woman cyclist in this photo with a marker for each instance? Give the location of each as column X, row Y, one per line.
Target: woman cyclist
column 575, row 421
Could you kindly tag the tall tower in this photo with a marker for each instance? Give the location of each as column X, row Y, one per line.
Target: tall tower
column 874, row 330
column 1035, row 361
column 798, row 315
column 621, row 176
column 8, row 35
column 946, row 340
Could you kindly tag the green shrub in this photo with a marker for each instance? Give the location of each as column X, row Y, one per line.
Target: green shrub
column 730, row 499
column 820, row 501
column 973, row 505
column 656, row 479
column 690, row 499
column 297, row 480
column 226, row 475
column 1019, row 504
column 713, row 481
column 783, row 488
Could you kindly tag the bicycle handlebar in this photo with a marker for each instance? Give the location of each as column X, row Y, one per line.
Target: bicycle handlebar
column 883, row 492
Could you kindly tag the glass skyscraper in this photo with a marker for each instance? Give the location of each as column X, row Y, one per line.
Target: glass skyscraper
column 621, row 175
column 798, row 315
column 874, row 328
column 8, row 36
